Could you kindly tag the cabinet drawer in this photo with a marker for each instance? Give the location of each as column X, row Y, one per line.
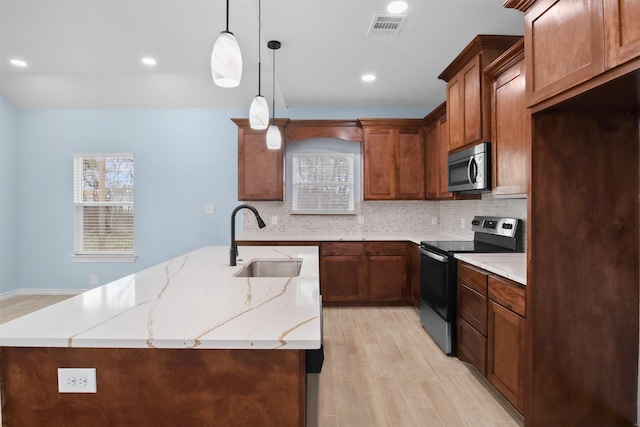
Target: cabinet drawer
column 508, row 294
column 341, row 248
column 472, row 278
column 473, row 308
column 385, row 248
column 472, row 346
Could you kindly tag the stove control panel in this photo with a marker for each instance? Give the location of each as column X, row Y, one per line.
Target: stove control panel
column 507, row 227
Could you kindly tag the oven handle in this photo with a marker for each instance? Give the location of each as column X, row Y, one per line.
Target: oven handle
column 430, row 254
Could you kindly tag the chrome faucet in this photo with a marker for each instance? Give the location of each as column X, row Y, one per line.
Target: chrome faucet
column 234, row 246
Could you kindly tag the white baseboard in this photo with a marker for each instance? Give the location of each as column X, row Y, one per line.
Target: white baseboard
column 20, row 292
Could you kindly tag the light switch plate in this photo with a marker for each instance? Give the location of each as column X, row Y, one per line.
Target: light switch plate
column 77, row 380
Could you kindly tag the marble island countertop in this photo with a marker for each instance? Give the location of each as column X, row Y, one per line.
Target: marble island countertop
column 510, row 265
column 192, row 301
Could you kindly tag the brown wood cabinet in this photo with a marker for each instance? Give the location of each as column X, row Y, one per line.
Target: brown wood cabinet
column 576, row 41
column 365, row 273
column 472, row 316
column 436, row 152
column 387, row 271
column 341, row 271
column 260, row 170
column 468, row 103
column 505, row 333
column 509, row 124
column 491, row 329
column 393, row 159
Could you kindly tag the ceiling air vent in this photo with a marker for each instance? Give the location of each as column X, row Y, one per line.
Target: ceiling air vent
column 387, row 25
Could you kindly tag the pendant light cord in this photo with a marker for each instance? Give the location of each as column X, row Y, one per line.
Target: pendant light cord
column 259, row 50
column 273, row 107
column 227, row 16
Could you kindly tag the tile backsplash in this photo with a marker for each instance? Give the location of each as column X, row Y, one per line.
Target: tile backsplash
column 381, row 217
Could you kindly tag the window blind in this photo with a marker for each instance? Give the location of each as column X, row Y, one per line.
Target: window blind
column 323, row 183
column 103, row 204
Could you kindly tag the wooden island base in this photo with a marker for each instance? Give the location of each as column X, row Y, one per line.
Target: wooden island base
column 155, row 387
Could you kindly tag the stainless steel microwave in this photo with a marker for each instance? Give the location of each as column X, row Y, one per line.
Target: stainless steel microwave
column 470, row 169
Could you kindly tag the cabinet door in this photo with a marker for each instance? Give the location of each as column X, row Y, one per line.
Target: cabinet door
column 455, row 111
column 622, row 31
column 409, row 165
column 260, row 170
column 564, row 45
column 510, row 150
column 432, row 154
column 415, row 275
column 505, row 353
column 472, row 75
column 341, row 278
column 472, row 346
column 379, row 164
column 386, row 278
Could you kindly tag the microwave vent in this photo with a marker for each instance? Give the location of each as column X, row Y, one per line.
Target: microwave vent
column 387, row 25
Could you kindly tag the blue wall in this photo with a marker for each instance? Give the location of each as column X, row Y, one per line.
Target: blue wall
column 184, row 159
column 9, row 279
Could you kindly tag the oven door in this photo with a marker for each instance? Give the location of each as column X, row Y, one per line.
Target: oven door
column 436, row 288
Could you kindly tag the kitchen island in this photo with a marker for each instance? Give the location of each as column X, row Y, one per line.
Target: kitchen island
column 181, row 343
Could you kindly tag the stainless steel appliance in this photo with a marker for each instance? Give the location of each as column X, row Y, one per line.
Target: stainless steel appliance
column 438, row 273
column 470, row 169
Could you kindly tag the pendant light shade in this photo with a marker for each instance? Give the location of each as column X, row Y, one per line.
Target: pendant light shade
column 274, row 138
column 226, row 59
column 259, row 113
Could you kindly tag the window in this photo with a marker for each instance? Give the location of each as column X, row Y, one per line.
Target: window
column 103, row 207
column 322, row 183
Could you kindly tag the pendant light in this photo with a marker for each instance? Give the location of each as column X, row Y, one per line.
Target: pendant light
column 259, row 110
column 226, row 59
column 274, row 139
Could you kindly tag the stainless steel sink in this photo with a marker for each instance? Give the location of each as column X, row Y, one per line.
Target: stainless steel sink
column 271, row 268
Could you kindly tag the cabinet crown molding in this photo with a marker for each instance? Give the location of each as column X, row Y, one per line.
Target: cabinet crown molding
column 521, row 5
column 479, row 44
column 506, row 60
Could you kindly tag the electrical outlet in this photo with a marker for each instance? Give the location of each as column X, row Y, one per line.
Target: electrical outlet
column 77, row 380
column 434, row 220
column 360, row 219
column 93, row 279
column 209, row 209
column 274, row 220
column 462, row 222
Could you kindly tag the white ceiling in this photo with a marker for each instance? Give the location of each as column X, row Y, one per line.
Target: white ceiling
column 86, row 53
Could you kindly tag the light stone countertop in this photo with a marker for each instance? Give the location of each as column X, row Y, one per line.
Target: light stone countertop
column 510, row 265
column 192, row 301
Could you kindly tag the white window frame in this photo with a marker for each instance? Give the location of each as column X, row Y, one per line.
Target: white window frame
column 80, row 254
column 295, row 185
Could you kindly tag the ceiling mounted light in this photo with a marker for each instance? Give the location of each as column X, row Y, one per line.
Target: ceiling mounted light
column 149, row 61
column 18, row 62
column 226, row 59
column 259, row 110
column 368, row 77
column 274, row 138
column 397, row 7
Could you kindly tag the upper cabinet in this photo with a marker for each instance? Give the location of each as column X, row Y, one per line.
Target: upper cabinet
column 393, row 152
column 509, row 135
column 468, row 103
column 260, row 170
column 436, row 152
column 569, row 42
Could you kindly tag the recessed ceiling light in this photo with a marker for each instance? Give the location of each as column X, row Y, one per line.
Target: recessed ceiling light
column 18, row 63
column 149, row 61
column 368, row 77
column 397, row 7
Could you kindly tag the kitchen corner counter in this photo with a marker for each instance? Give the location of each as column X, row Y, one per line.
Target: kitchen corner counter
column 510, row 265
column 192, row 301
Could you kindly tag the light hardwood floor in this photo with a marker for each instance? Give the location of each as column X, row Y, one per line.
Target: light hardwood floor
column 381, row 369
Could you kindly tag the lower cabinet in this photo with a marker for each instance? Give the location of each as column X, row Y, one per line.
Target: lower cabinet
column 491, row 329
column 364, row 273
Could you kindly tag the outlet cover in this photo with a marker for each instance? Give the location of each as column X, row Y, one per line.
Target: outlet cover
column 77, row 380
column 93, row 279
column 274, row 220
column 209, row 209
